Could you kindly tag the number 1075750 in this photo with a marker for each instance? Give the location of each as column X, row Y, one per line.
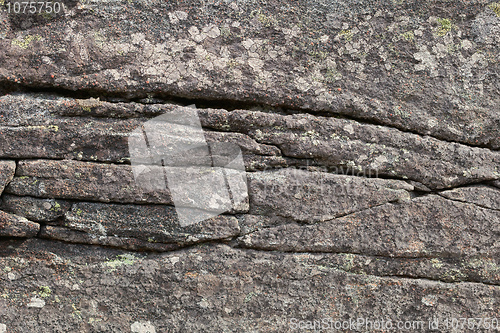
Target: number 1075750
column 34, row 7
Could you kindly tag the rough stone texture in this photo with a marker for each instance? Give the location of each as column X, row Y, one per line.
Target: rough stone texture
column 7, row 170
column 75, row 236
column 211, row 288
column 428, row 226
column 406, row 64
column 17, row 226
column 370, row 133
column 69, row 179
column 150, row 223
column 34, row 209
column 311, row 197
column 487, row 197
column 366, row 150
column 38, row 126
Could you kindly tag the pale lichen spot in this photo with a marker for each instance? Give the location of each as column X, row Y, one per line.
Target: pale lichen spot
column 142, row 327
column 177, row 16
column 36, row 302
column 466, row 44
column 25, row 42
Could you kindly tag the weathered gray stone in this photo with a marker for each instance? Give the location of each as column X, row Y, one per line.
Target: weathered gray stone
column 213, row 288
column 428, row 226
column 427, row 67
column 75, row 236
column 318, row 196
column 407, row 90
column 69, row 179
column 33, row 127
column 366, row 149
column 472, row 269
column 17, row 226
column 153, row 223
column 7, row 170
column 250, row 223
column 34, row 209
column 487, row 197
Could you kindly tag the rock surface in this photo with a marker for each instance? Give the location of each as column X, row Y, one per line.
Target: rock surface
column 7, row 170
column 17, row 226
column 214, row 288
column 428, row 226
column 369, row 134
column 34, row 209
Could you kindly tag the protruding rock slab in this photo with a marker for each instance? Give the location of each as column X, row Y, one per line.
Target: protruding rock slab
column 318, row 196
column 34, row 126
column 484, row 196
column 436, row 76
column 153, row 223
column 80, row 237
column 429, row 226
column 88, row 181
column 363, row 149
column 69, row 179
column 213, row 288
column 17, row 226
column 35, row 209
column 7, row 170
column 471, row 269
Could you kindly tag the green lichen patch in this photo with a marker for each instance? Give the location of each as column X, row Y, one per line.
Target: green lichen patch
column 45, row 291
column 24, row 43
column 122, row 259
column 445, row 26
column 409, row 36
column 88, row 104
column 495, row 6
column 346, row 34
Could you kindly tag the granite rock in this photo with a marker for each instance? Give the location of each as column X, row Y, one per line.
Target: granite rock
column 17, row 226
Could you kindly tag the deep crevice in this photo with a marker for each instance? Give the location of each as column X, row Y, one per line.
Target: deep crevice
column 136, row 97
column 7, row 87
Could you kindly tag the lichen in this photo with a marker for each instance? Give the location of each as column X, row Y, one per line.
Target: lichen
column 266, row 19
column 495, row 6
column 54, row 128
column 24, row 43
column 346, row 34
column 87, row 104
column 409, row 36
column 332, row 75
column 445, row 26
column 56, row 207
column 122, row 259
column 44, row 291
